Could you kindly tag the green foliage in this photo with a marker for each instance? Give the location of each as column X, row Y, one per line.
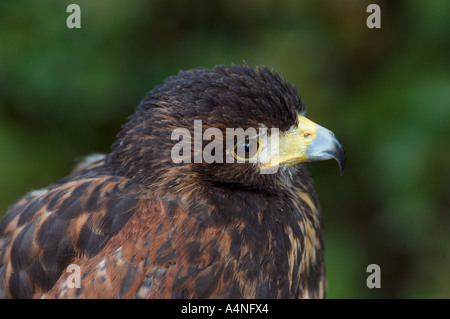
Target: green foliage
column 385, row 93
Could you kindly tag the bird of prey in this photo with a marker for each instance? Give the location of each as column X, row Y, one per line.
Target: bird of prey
column 141, row 223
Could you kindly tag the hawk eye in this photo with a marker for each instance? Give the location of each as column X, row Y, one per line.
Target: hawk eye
column 247, row 150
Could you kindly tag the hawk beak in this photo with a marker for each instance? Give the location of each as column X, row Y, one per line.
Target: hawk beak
column 325, row 146
column 307, row 142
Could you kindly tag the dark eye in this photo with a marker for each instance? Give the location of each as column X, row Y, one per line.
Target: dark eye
column 247, row 150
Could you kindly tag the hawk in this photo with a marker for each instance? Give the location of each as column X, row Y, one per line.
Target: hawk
column 141, row 223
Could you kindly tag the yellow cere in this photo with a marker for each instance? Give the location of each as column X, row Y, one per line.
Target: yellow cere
column 293, row 144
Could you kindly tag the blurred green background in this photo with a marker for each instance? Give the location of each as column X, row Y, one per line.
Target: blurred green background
column 385, row 93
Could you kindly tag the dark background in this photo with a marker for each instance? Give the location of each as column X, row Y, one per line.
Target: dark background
column 385, row 93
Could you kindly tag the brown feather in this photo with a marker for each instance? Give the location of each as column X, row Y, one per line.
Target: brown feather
column 140, row 226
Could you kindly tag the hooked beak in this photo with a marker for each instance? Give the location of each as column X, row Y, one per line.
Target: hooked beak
column 307, row 142
column 326, row 146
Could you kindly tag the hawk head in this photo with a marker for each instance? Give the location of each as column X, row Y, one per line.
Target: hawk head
column 230, row 126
